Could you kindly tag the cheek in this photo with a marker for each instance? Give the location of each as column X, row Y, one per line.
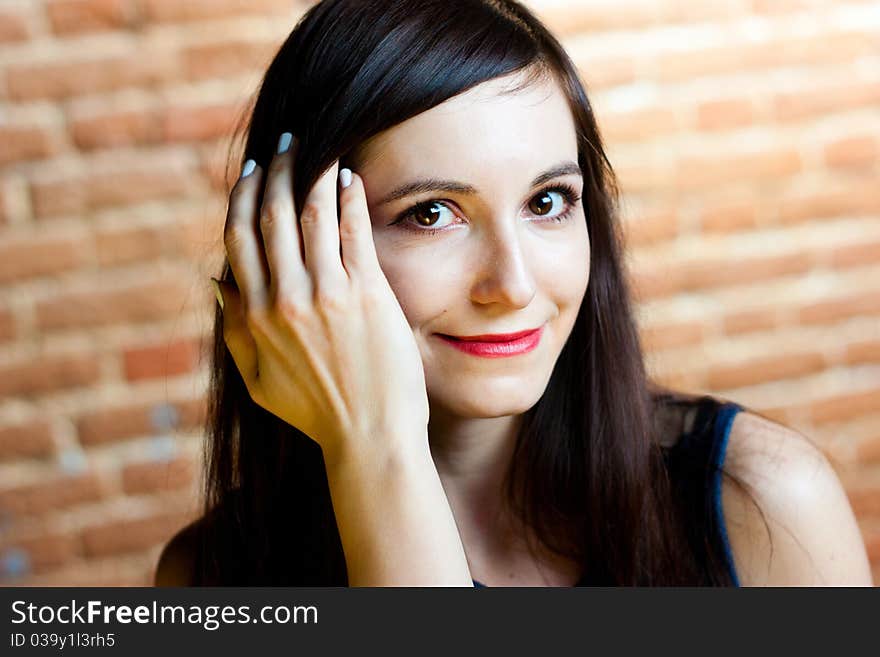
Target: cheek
column 565, row 269
column 422, row 282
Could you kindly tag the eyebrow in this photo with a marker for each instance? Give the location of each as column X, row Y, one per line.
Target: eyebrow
column 436, row 185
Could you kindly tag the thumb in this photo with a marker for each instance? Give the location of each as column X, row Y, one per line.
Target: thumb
column 236, row 334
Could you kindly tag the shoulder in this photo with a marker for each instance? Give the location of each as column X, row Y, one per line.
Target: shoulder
column 177, row 559
column 788, row 518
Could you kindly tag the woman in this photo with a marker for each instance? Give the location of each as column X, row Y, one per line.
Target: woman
column 428, row 373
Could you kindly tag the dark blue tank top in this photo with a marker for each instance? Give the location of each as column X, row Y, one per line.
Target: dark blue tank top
column 695, row 462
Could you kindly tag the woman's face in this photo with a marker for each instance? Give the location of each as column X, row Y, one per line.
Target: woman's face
column 495, row 244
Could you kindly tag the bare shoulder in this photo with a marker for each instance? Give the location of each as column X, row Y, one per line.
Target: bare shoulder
column 788, row 519
column 177, row 559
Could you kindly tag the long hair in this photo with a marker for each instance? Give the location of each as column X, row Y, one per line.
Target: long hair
column 587, row 474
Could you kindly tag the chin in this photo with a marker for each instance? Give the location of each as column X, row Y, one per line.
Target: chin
column 486, row 403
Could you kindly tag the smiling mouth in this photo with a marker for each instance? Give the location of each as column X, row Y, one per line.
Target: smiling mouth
column 491, row 337
column 489, row 345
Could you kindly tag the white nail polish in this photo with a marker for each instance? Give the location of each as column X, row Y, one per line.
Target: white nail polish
column 284, row 142
column 248, row 168
column 345, row 177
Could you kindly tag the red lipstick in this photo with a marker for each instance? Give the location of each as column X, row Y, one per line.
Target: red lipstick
column 496, row 345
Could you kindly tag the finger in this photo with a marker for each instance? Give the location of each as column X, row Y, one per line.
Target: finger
column 237, row 336
column 320, row 231
column 242, row 240
column 355, row 230
column 280, row 230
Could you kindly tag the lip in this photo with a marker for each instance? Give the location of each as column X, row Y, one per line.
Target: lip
column 496, row 345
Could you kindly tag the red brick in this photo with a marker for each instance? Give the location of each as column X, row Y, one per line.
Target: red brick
column 77, row 194
column 775, row 7
column 26, row 142
column 852, row 152
column 737, row 271
column 845, row 407
column 866, row 351
column 122, row 536
column 677, row 380
column 149, row 477
column 865, row 500
column 6, row 194
column 78, row 16
column 764, row 369
column 747, row 321
column 832, row 310
column 668, row 336
column 48, row 373
column 831, row 47
column 29, row 440
column 718, row 169
column 637, row 125
column 217, row 60
column 669, row 278
column 648, row 284
column 96, row 572
column 855, row 198
column 15, row 207
column 868, row 451
column 729, row 219
column 699, row 12
column 724, row 114
column 199, row 123
column 7, row 325
column 781, row 414
column 200, row 237
column 826, row 99
column 58, row 493
column 145, row 302
column 682, row 65
column 637, row 177
column 856, row 255
column 651, row 227
column 117, row 245
column 115, row 129
column 161, row 360
column 576, row 18
column 216, row 167
column 13, row 27
column 49, row 550
column 135, row 420
column 872, row 547
column 607, row 72
column 194, row 10
column 41, row 255
column 59, row 80
column 188, row 235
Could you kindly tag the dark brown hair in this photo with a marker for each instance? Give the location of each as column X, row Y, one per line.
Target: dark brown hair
column 588, row 473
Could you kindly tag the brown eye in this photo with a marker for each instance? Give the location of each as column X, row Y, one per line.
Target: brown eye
column 427, row 214
column 542, row 203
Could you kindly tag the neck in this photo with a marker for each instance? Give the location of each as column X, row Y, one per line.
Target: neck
column 472, row 456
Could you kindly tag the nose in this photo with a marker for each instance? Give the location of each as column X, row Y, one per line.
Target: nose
column 504, row 275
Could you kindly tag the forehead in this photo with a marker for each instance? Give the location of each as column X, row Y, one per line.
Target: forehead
column 483, row 128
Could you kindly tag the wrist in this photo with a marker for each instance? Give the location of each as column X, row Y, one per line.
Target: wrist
column 391, row 449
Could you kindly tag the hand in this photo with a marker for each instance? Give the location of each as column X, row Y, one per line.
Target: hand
column 319, row 338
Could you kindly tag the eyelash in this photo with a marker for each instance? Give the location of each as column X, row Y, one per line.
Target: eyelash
column 567, row 191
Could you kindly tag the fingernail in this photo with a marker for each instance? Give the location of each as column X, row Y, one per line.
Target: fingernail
column 345, row 177
column 248, row 168
column 217, row 292
column 284, row 142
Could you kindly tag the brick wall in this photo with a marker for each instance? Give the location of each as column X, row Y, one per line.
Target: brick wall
column 746, row 134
